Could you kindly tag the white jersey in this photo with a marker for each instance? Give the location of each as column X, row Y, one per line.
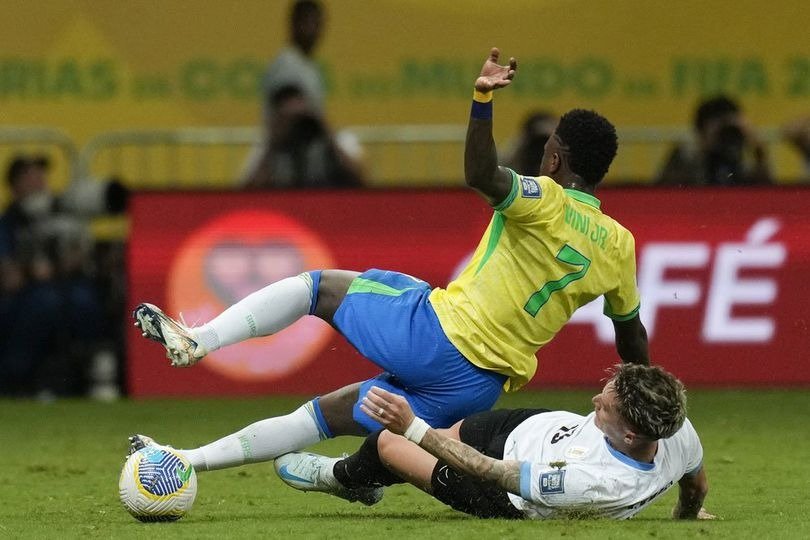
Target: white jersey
column 568, row 468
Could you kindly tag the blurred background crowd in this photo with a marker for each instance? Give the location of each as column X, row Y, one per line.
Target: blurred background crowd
column 104, row 100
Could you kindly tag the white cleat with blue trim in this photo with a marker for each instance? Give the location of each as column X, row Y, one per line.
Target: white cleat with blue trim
column 311, row 472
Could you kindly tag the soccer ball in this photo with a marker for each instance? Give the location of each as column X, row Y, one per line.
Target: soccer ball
column 157, row 484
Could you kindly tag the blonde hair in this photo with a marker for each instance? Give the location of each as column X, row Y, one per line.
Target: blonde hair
column 650, row 398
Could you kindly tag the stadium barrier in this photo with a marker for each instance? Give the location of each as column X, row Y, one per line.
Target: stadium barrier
column 720, row 273
column 395, row 155
column 207, row 158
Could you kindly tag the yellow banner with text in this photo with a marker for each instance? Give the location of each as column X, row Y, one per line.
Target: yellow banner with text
column 88, row 67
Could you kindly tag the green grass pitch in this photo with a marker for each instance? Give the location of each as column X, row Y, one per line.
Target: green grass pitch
column 60, row 465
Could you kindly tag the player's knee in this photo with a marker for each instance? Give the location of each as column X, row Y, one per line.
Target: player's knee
column 331, row 287
column 387, row 444
column 337, row 409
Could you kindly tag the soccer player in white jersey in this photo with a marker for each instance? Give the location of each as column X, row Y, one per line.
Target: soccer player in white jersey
column 548, row 250
column 538, row 464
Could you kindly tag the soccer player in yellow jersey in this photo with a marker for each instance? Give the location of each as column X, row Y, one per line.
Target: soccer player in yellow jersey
column 547, row 251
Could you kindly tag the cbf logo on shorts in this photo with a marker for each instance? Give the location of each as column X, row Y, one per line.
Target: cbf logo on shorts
column 530, row 188
column 552, row 483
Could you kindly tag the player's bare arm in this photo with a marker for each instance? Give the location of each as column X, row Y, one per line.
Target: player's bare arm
column 464, row 458
column 631, row 341
column 692, row 492
column 393, row 411
column 481, row 171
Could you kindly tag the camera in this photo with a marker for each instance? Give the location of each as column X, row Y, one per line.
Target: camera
column 724, row 160
column 729, row 143
column 304, row 129
column 92, row 198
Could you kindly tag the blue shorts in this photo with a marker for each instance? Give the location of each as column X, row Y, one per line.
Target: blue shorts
column 389, row 320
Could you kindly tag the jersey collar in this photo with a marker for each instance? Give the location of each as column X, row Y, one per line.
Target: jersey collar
column 583, row 197
column 627, row 460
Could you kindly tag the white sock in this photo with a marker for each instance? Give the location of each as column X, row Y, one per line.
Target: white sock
column 262, row 441
column 261, row 313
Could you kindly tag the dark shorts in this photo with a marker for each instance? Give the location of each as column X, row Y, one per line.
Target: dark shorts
column 487, row 433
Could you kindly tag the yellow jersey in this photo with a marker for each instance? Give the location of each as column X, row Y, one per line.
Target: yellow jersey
column 546, row 252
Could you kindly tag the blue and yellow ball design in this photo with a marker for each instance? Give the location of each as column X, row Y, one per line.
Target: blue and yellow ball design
column 157, row 484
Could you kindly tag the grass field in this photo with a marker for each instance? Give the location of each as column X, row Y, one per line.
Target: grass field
column 60, row 465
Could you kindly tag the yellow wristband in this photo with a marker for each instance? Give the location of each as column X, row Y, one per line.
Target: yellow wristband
column 482, row 97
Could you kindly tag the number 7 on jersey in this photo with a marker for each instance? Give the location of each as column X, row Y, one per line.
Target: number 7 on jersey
column 570, row 256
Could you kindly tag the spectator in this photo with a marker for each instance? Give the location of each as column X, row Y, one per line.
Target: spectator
column 49, row 308
column 295, row 65
column 727, row 151
column 526, row 152
column 797, row 133
column 300, row 151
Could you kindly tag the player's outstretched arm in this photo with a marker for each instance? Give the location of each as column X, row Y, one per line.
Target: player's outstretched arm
column 393, row 411
column 692, row 492
column 631, row 341
column 481, row 171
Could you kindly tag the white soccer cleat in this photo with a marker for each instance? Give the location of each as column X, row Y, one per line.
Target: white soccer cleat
column 182, row 348
column 310, row 472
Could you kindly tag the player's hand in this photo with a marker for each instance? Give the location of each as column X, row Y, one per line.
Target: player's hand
column 494, row 75
column 390, row 410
